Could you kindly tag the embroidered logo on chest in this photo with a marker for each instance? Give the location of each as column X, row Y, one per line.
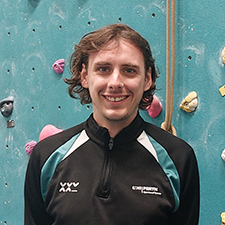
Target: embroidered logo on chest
column 147, row 190
column 68, row 186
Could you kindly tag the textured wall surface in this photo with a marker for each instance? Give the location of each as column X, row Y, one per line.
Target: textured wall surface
column 35, row 33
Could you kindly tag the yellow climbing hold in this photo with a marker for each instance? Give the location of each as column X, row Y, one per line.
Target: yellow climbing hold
column 190, row 103
column 222, row 90
column 223, row 218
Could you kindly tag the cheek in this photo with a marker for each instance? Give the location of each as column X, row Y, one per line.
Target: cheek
column 136, row 86
column 97, row 85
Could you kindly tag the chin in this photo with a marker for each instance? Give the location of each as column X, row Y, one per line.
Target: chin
column 114, row 116
column 117, row 116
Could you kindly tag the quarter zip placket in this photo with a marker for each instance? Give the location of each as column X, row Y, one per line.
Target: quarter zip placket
column 111, row 143
column 105, row 183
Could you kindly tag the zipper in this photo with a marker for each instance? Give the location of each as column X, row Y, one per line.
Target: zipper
column 111, row 143
column 105, row 182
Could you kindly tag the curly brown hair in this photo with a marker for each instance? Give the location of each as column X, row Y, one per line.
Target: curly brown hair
column 97, row 40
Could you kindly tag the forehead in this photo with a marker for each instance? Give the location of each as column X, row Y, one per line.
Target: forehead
column 115, row 51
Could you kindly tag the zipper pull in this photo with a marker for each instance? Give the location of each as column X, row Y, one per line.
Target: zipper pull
column 111, row 143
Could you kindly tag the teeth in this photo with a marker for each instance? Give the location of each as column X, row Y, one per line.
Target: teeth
column 117, row 99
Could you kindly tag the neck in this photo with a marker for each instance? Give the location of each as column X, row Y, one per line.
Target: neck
column 113, row 126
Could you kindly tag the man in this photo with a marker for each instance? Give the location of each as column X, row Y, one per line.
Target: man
column 114, row 168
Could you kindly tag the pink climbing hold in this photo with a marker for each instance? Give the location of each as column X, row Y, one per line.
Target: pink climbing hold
column 58, row 66
column 48, row 130
column 155, row 108
column 30, row 146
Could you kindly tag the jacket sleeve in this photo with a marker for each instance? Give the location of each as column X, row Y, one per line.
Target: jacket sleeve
column 188, row 211
column 35, row 212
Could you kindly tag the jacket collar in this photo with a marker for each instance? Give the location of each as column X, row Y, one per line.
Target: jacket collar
column 100, row 135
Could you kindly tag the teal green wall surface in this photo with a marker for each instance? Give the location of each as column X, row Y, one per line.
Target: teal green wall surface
column 34, row 34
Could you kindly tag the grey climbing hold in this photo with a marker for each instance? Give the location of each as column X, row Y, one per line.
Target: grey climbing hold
column 6, row 106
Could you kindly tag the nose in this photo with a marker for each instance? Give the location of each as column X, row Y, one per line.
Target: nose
column 115, row 80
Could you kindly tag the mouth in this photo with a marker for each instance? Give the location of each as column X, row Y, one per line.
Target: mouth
column 115, row 99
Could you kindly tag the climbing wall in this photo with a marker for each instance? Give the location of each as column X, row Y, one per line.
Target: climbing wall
column 36, row 33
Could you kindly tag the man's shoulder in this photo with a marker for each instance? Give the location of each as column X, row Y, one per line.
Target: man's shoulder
column 174, row 145
column 47, row 146
column 181, row 153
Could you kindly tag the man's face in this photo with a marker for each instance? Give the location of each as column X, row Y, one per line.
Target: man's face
column 116, row 81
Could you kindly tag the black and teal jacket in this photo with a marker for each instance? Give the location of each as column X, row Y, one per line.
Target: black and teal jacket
column 143, row 176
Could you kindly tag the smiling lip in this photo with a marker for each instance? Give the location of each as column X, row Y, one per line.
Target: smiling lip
column 116, row 99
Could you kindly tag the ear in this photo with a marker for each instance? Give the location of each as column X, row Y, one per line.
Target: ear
column 148, row 79
column 83, row 76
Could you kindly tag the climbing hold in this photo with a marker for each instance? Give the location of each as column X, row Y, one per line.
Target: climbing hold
column 6, row 106
column 155, row 108
column 223, row 155
column 190, row 103
column 223, row 55
column 58, row 66
column 223, row 218
column 48, row 130
column 222, row 90
column 30, row 146
column 10, row 123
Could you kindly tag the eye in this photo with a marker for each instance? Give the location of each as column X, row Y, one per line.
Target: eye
column 103, row 69
column 129, row 71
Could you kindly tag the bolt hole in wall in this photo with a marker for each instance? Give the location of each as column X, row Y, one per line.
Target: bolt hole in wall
column 89, row 23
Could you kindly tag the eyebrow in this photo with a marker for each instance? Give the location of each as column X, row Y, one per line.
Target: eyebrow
column 131, row 65
column 101, row 63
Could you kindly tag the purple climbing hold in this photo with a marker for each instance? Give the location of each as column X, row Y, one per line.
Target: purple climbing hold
column 30, row 146
column 58, row 66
